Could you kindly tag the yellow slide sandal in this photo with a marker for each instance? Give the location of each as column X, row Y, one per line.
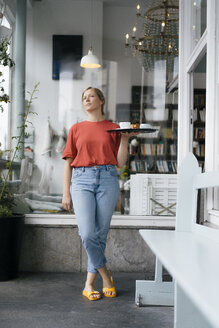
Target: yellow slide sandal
column 89, row 295
column 112, row 290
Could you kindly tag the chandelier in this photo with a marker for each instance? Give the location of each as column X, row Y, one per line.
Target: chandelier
column 158, row 41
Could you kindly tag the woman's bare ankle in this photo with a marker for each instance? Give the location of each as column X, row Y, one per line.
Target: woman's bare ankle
column 107, row 282
column 88, row 286
column 89, row 283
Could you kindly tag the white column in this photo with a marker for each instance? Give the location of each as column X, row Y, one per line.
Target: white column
column 20, row 61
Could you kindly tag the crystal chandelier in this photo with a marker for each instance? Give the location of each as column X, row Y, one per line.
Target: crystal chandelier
column 159, row 40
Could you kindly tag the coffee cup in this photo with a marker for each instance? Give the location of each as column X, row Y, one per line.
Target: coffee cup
column 124, row 125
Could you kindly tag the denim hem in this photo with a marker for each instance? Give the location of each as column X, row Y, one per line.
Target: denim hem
column 96, row 270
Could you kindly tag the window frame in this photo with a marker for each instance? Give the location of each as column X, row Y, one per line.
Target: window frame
column 207, row 43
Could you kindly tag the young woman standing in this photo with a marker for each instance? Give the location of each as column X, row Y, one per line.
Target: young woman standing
column 94, row 153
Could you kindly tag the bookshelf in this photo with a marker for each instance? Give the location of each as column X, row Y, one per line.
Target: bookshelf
column 156, row 152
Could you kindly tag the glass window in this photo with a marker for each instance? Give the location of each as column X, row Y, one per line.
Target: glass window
column 198, row 125
column 199, row 20
column 4, row 131
column 199, row 111
column 136, row 84
column 4, row 110
column 216, row 140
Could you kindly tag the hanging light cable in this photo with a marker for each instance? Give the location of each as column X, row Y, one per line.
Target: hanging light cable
column 90, row 60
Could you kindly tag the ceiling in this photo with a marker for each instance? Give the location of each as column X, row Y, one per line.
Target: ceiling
column 120, row 3
column 130, row 3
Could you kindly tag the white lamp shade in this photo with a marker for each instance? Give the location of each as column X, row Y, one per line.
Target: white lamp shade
column 90, row 60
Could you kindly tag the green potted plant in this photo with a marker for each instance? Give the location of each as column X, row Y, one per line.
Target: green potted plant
column 123, row 175
column 11, row 224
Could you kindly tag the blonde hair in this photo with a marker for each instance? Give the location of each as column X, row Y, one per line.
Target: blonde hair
column 100, row 95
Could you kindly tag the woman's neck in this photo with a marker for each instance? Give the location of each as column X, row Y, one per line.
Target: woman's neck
column 95, row 117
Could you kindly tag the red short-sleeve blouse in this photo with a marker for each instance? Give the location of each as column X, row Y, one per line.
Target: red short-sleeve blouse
column 90, row 144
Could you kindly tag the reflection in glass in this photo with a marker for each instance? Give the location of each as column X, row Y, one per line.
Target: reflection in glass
column 199, row 112
column 156, row 40
column 152, row 158
column 198, row 125
column 132, row 94
column 199, row 20
column 4, row 116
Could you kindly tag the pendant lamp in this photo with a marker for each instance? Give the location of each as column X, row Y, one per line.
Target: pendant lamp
column 90, row 60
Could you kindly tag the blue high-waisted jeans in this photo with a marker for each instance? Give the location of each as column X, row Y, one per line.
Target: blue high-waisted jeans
column 94, row 192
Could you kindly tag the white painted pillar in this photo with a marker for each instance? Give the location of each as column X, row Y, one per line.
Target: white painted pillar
column 20, row 61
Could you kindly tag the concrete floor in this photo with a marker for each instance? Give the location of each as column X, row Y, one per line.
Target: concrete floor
column 54, row 300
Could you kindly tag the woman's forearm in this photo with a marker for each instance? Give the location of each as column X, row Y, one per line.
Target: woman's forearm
column 66, row 198
column 123, row 151
column 67, row 177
